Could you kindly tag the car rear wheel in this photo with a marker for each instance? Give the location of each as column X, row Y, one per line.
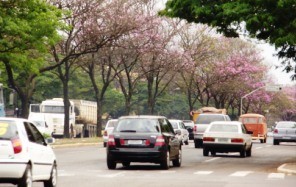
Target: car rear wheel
column 197, row 143
column 243, row 153
column 249, row 152
column 105, row 144
column 26, row 180
column 126, row 164
column 276, row 142
column 213, row 153
column 111, row 163
column 186, row 142
column 205, row 152
column 177, row 162
column 166, row 163
column 52, row 182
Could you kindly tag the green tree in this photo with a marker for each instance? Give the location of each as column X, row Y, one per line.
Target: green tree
column 27, row 29
column 271, row 20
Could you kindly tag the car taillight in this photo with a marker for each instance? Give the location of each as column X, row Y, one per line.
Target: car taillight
column 194, row 128
column 147, row 143
column 111, row 141
column 122, row 141
column 276, row 131
column 208, row 139
column 237, row 140
column 105, row 133
column 160, row 141
column 17, row 145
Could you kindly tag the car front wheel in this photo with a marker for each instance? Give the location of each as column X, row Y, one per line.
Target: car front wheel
column 26, row 180
column 52, row 182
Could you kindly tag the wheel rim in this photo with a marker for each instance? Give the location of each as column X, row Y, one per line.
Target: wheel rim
column 29, row 178
column 54, row 176
column 180, row 156
column 168, row 159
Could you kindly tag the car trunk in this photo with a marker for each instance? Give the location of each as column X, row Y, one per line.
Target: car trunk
column 135, row 140
column 6, row 149
column 286, row 131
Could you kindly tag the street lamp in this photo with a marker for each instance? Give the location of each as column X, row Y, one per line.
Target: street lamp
column 241, row 102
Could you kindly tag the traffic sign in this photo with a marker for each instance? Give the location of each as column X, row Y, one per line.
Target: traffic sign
column 273, row 87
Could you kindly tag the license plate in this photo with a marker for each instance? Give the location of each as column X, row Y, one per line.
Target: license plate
column 222, row 139
column 135, row 142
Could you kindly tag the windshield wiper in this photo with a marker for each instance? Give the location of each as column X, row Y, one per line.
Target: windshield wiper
column 128, row 131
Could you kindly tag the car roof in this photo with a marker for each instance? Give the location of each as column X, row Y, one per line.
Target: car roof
column 177, row 120
column 13, row 119
column 227, row 122
column 251, row 115
column 142, row 117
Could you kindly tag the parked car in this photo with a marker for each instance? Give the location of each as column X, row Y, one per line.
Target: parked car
column 179, row 125
column 144, row 139
column 25, row 155
column 284, row 131
column 108, row 130
column 189, row 124
column 202, row 122
column 227, row 136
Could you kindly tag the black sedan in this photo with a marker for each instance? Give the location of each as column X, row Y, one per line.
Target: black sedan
column 144, row 139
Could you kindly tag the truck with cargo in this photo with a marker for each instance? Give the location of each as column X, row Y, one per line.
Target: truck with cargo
column 202, row 118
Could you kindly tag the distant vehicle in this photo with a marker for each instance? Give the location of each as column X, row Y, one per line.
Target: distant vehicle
column 108, row 130
column 42, row 127
column 25, row 155
column 179, row 125
column 284, row 131
column 189, row 124
column 257, row 124
column 144, row 139
column 227, row 136
column 202, row 122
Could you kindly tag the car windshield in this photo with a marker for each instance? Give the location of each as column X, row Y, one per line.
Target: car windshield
column 8, row 130
column 286, row 125
column 223, row 128
column 250, row 120
column 112, row 123
column 137, row 125
column 207, row 119
column 174, row 124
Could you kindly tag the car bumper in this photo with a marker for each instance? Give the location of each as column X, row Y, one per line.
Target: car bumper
column 223, row 147
column 284, row 138
column 12, row 170
column 137, row 155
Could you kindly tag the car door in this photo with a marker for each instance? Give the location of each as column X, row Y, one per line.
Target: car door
column 173, row 140
column 40, row 154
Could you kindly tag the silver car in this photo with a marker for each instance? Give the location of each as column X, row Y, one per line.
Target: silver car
column 179, row 125
column 108, row 130
column 284, row 131
column 227, row 136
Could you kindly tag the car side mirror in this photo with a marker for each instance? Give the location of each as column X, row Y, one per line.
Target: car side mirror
column 178, row 132
column 50, row 140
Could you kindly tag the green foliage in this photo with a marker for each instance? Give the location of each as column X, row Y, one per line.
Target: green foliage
column 271, row 20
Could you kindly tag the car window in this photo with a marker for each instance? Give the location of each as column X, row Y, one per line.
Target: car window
column 286, row 125
column 250, row 120
column 136, row 125
column 111, row 123
column 166, row 126
column 223, row 128
column 207, row 119
column 8, row 130
column 174, row 124
column 182, row 125
column 33, row 134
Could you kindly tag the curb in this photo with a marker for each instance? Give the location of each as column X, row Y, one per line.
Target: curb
column 282, row 169
column 74, row 145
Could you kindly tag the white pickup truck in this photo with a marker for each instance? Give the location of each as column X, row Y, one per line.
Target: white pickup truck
column 202, row 122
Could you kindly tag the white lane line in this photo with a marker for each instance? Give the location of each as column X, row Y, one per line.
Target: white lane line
column 240, row 173
column 203, row 172
column 212, row 159
column 119, row 174
column 171, row 171
column 62, row 173
column 258, row 147
column 276, row 176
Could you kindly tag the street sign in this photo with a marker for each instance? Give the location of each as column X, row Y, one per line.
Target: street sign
column 273, row 87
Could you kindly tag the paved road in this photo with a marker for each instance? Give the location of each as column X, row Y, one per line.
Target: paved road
column 86, row 166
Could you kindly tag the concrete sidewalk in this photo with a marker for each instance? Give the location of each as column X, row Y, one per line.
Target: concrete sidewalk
column 289, row 168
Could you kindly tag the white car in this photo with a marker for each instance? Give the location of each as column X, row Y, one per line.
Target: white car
column 179, row 125
column 227, row 136
column 25, row 155
column 108, row 129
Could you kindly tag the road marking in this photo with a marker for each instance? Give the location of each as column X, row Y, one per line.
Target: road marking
column 212, row 159
column 241, row 173
column 276, row 176
column 120, row 174
column 62, row 173
column 170, row 171
column 258, row 147
column 203, row 172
